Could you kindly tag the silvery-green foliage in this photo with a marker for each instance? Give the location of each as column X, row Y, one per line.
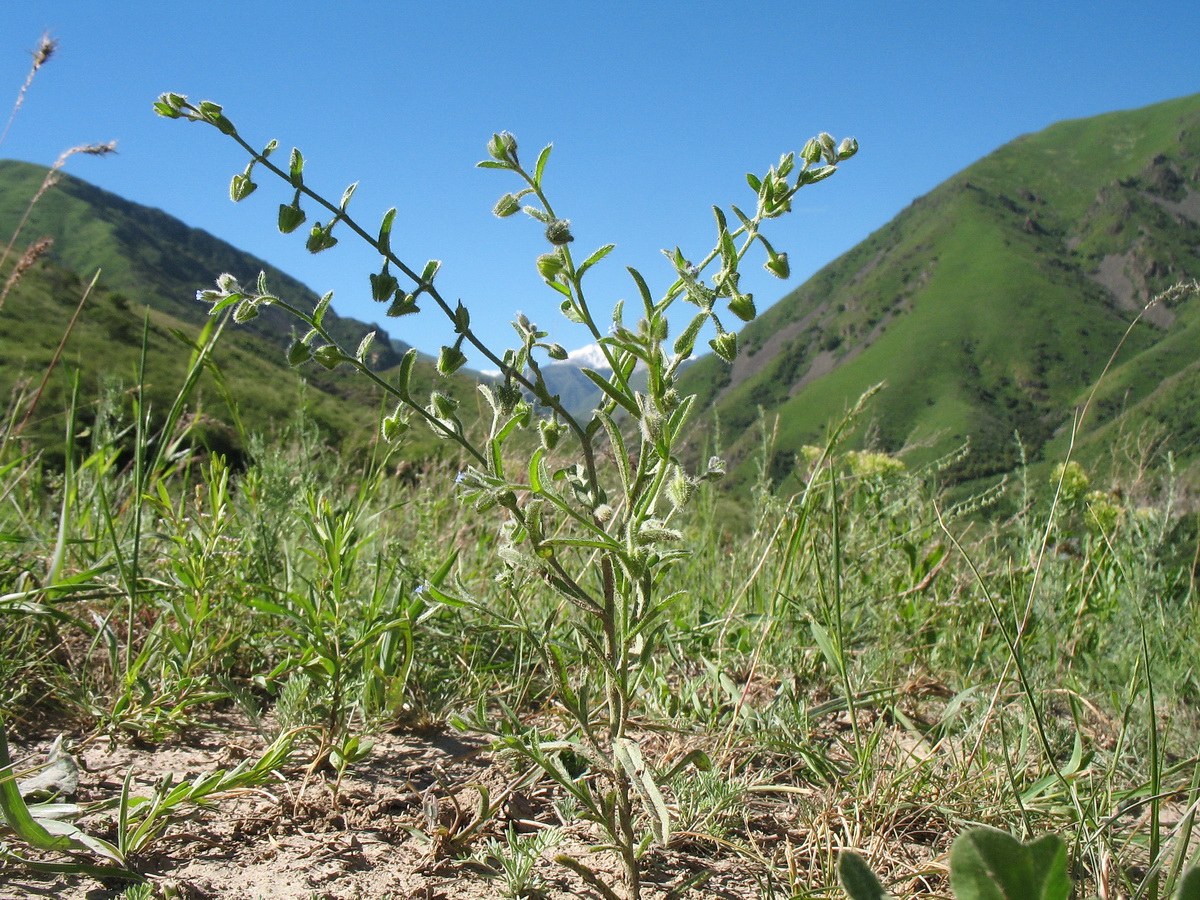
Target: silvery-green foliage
column 512, row 860
column 593, row 512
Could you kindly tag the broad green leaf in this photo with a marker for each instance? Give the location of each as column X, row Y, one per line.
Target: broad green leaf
column 989, row 864
column 857, row 878
column 1189, row 885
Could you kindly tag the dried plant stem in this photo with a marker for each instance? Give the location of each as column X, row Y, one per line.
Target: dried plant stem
column 57, row 355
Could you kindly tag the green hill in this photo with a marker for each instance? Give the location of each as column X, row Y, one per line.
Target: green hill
column 991, row 305
column 151, row 267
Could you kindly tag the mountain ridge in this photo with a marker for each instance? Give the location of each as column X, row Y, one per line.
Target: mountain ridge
column 161, row 259
column 989, row 305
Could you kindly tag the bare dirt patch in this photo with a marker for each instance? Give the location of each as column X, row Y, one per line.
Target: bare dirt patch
column 390, row 829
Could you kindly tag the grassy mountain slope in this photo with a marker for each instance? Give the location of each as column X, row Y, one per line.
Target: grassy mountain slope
column 152, row 256
column 991, row 305
column 152, row 265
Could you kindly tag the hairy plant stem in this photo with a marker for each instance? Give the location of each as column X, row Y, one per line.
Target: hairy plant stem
column 536, row 387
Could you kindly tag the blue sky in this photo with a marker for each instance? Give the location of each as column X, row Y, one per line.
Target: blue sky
column 656, row 111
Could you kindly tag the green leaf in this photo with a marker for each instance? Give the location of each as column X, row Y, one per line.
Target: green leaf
column 821, row 636
column 568, row 309
column 857, row 878
column 643, row 289
column 322, row 306
column 611, row 391
column 328, row 356
column 686, row 342
column 540, row 166
column 1189, row 885
column 364, row 345
column 535, row 472
column 385, row 230
column 430, row 271
column 296, row 166
column 595, row 258
column 619, row 450
column 629, row 756
column 404, row 373
column 346, row 195
column 989, row 864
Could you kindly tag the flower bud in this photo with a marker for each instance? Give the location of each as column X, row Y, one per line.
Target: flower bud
column 558, row 232
column 557, row 351
column 506, row 206
column 328, row 356
column 778, row 266
column 450, row 360
column 403, row 305
column 654, row 531
column 241, row 187
column 441, row 405
column 383, row 285
column 503, row 147
column 715, row 469
column 742, row 306
column 549, row 265
column 847, row 148
column 299, row 352
column 392, row 428
column 320, row 238
column 811, row 152
column 245, row 311
column 725, row 346
column 827, row 149
column 550, row 431
column 508, row 396
column 291, row 217
column 680, row 489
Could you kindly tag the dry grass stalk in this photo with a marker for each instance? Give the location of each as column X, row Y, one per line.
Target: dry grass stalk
column 32, row 254
column 46, row 48
column 51, row 179
column 57, row 355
